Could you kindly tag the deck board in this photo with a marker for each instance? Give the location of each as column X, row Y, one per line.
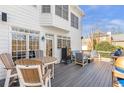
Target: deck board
column 96, row 74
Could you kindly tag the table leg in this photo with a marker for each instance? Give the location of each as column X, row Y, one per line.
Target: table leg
column 53, row 71
column 44, row 69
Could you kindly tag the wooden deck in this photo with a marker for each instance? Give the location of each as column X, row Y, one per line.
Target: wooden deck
column 92, row 75
column 96, row 74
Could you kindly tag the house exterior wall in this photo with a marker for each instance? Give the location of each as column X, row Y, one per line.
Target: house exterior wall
column 29, row 17
column 118, row 43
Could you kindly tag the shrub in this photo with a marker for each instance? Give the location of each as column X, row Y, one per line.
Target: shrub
column 105, row 46
column 105, row 55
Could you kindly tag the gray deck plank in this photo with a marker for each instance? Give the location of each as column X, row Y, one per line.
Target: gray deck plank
column 95, row 74
column 92, row 75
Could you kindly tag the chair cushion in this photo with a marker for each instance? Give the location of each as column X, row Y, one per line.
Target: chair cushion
column 119, row 70
column 120, row 81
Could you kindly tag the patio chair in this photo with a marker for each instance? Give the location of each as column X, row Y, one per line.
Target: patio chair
column 118, row 73
column 48, row 63
column 6, row 59
column 81, row 59
column 117, row 78
column 31, row 76
column 39, row 54
column 30, row 73
column 95, row 56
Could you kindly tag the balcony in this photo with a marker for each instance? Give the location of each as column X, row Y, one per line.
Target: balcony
column 54, row 21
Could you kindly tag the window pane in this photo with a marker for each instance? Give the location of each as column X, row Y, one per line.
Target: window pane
column 33, row 42
column 46, row 9
column 18, row 45
column 65, row 12
column 65, row 15
column 74, row 21
column 58, row 10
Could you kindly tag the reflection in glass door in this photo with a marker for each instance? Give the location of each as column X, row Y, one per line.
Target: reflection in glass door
column 49, row 49
column 49, row 44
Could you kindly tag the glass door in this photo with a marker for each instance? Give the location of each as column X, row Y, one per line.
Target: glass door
column 49, row 49
column 49, row 44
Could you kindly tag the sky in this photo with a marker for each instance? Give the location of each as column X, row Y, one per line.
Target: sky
column 104, row 17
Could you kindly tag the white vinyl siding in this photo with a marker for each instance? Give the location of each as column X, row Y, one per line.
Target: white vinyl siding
column 4, row 46
column 21, row 15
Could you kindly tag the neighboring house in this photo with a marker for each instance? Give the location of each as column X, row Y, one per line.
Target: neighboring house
column 88, row 43
column 118, row 40
column 102, row 36
column 45, row 27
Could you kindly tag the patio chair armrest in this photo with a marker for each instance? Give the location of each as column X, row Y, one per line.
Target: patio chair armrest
column 9, row 68
column 47, row 74
column 4, row 67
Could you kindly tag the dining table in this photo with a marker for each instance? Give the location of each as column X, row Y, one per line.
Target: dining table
column 45, row 62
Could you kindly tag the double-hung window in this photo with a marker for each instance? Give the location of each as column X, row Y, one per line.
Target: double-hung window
column 62, row 11
column 46, row 9
column 74, row 21
column 58, row 10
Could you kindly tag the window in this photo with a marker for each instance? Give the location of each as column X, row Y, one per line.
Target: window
column 59, row 42
column 68, row 42
column 74, row 21
column 62, row 11
column 18, row 46
column 46, row 9
column 24, row 43
column 58, row 10
column 63, row 42
column 65, row 12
